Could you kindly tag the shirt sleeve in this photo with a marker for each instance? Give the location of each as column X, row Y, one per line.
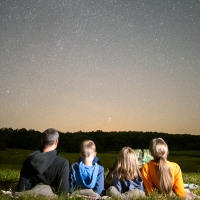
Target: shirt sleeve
column 72, row 180
column 148, row 183
column 99, row 187
column 178, row 186
column 117, row 183
column 25, row 179
column 64, row 178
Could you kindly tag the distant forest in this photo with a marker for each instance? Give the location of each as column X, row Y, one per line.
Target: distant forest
column 105, row 141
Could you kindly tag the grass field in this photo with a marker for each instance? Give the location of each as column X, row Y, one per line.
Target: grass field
column 189, row 161
column 11, row 161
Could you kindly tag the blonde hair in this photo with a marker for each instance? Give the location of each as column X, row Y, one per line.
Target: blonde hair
column 87, row 148
column 127, row 165
column 159, row 151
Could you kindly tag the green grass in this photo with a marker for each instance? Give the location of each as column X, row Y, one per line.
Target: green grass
column 11, row 161
column 13, row 158
column 189, row 161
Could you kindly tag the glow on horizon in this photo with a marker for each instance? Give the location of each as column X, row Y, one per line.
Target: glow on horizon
column 110, row 66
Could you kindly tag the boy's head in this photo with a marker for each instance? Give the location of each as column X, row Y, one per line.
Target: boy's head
column 87, row 149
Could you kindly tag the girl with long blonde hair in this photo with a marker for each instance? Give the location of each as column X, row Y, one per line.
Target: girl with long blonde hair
column 160, row 173
column 127, row 179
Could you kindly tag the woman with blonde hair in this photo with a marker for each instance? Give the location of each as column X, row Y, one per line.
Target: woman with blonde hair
column 127, row 181
column 160, row 173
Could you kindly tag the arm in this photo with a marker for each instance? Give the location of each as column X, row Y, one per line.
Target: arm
column 24, row 180
column 72, row 179
column 117, row 183
column 99, row 187
column 63, row 186
column 148, row 183
column 178, row 186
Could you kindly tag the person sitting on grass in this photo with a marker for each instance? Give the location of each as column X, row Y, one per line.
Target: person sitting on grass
column 45, row 167
column 160, row 174
column 127, row 181
column 86, row 176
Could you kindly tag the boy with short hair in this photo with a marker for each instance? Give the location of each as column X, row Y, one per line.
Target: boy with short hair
column 86, row 176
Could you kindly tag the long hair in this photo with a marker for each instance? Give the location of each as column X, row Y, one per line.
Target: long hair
column 127, row 165
column 159, row 151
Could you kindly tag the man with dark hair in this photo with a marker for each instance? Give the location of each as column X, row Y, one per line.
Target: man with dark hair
column 43, row 169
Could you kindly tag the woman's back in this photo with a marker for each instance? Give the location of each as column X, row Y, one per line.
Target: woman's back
column 151, row 181
column 124, row 185
column 161, row 174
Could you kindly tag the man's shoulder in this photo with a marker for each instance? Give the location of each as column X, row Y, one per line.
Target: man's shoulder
column 31, row 156
column 59, row 159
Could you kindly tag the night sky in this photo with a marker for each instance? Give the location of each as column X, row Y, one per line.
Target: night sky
column 110, row 65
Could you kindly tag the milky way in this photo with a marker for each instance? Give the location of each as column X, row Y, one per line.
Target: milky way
column 114, row 65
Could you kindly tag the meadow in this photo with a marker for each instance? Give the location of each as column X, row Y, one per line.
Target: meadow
column 11, row 161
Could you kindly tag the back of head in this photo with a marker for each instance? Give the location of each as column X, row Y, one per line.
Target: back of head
column 49, row 136
column 127, row 165
column 159, row 151
column 87, row 148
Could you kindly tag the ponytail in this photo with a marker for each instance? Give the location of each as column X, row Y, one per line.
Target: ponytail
column 164, row 176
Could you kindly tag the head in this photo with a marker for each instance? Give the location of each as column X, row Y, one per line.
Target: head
column 158, row 149
column 127, row 164
column 87, row 149
column 50, row 137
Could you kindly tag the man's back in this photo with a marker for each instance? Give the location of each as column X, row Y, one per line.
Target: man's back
column 46, row 168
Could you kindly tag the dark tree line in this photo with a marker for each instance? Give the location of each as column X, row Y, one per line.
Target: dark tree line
column 105, row 141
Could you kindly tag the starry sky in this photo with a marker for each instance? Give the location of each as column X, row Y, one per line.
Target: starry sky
column 110, row 65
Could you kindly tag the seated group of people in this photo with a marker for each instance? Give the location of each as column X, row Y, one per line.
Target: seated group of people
column 46, row 173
